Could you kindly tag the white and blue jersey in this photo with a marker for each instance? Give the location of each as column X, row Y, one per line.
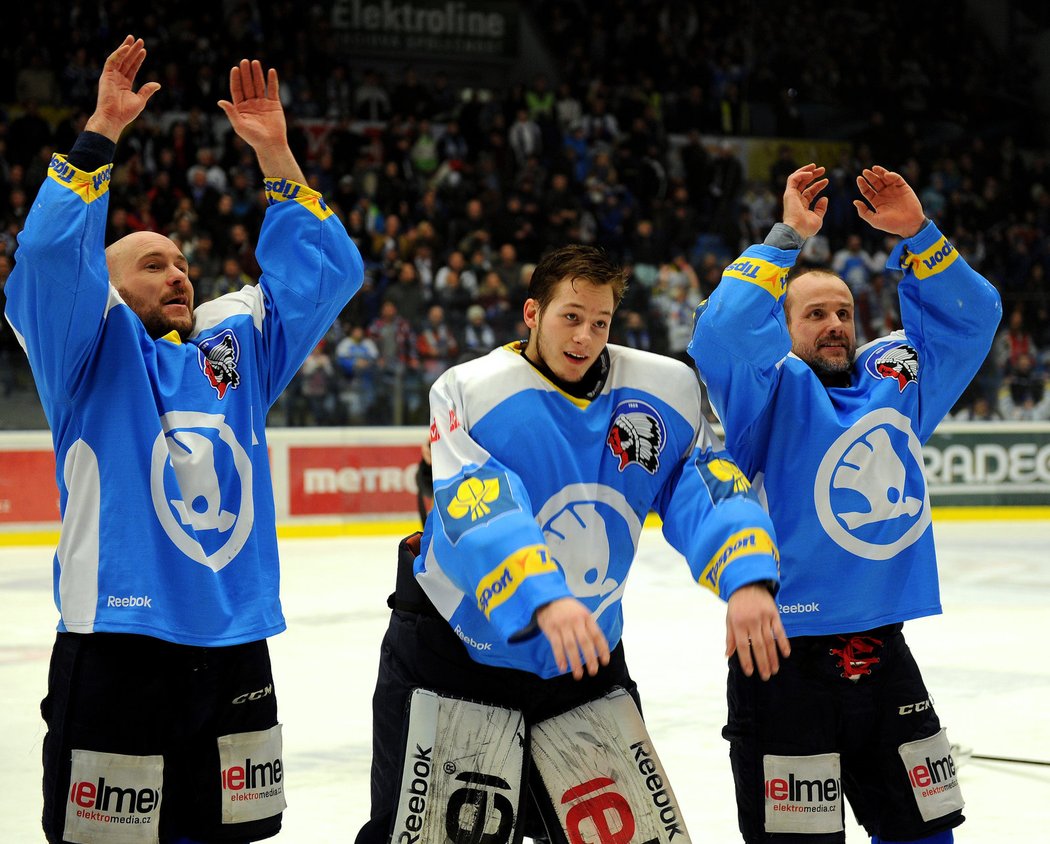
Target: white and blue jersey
column 539, row 495
column 841, row 468
column 162, row 467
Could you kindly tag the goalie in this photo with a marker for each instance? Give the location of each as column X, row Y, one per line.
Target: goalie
column 548, row 455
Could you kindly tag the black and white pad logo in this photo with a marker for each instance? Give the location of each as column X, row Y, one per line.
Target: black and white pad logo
column 870, row 491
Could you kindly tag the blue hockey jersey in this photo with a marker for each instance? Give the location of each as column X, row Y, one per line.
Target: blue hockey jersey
column 162, row 466
column 841, row 469
column 539, row 495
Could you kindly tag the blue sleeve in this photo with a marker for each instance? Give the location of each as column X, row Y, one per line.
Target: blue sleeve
column 950, row 314
column 484, row 532
column 310, row 267
column 740, row 336
column 58, row 291
column 713, row 518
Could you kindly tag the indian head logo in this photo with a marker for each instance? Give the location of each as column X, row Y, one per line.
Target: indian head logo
column 637, row 435
column 218, row 357
column 899, row 362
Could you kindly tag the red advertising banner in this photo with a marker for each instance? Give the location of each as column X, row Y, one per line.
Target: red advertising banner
column 333, row 480
column 27, row 486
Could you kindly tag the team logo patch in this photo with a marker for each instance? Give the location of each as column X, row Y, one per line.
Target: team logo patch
column 722, row 476
column 637, row 435
column 477, row 499
column 898, row 361
column 218, row 357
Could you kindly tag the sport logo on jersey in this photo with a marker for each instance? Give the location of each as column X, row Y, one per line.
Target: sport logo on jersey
column 897, row 361
column 637, row 435
column 218, row 357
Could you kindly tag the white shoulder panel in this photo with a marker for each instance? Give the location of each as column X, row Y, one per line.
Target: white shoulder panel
column 898, row 335
column 247, row 300
column 665, row 378
column 486, row 382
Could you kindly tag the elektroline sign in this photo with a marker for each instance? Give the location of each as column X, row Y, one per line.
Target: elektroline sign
column 461, row 29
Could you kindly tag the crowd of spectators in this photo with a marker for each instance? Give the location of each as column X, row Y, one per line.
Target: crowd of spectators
column 453, row 192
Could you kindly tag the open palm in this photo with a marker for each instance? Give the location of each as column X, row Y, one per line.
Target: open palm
column 255, row 112
column 891, row 205
column 118, row 104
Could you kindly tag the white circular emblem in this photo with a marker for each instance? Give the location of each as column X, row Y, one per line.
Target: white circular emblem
column 200, row 512
column 575, row 524
column 869, row 477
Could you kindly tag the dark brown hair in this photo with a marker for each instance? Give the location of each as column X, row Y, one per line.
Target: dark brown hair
column 576, row 261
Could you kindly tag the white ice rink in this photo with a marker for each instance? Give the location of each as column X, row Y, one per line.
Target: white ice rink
column 985, row 660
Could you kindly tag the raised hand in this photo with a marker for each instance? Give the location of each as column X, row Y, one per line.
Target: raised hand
column 803, row 186
column 892, row 205
column 256, row 115
column 117, row 104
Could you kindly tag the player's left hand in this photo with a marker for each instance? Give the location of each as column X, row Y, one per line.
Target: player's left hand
column 892, row 205
column 254, row 107
column 573, row 633
column 754, row 630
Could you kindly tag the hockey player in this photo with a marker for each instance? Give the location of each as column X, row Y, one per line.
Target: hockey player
column 160, row 710
column 835, row 434
column 547, row 457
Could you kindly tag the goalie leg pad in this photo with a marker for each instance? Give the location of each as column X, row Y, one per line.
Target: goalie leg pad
column 603, row 777
column 463, row 775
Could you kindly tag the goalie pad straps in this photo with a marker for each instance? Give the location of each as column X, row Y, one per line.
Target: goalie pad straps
column 462, row 781
column 603, row 778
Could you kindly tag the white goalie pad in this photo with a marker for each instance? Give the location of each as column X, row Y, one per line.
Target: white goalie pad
column 603, row 776
column 463, row 773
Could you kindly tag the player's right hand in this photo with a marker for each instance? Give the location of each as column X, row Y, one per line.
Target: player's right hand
column 575, row 638
column 801, row 212
column 117, row 104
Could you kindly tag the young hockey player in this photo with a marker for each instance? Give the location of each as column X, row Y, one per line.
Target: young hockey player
column 548, row 455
